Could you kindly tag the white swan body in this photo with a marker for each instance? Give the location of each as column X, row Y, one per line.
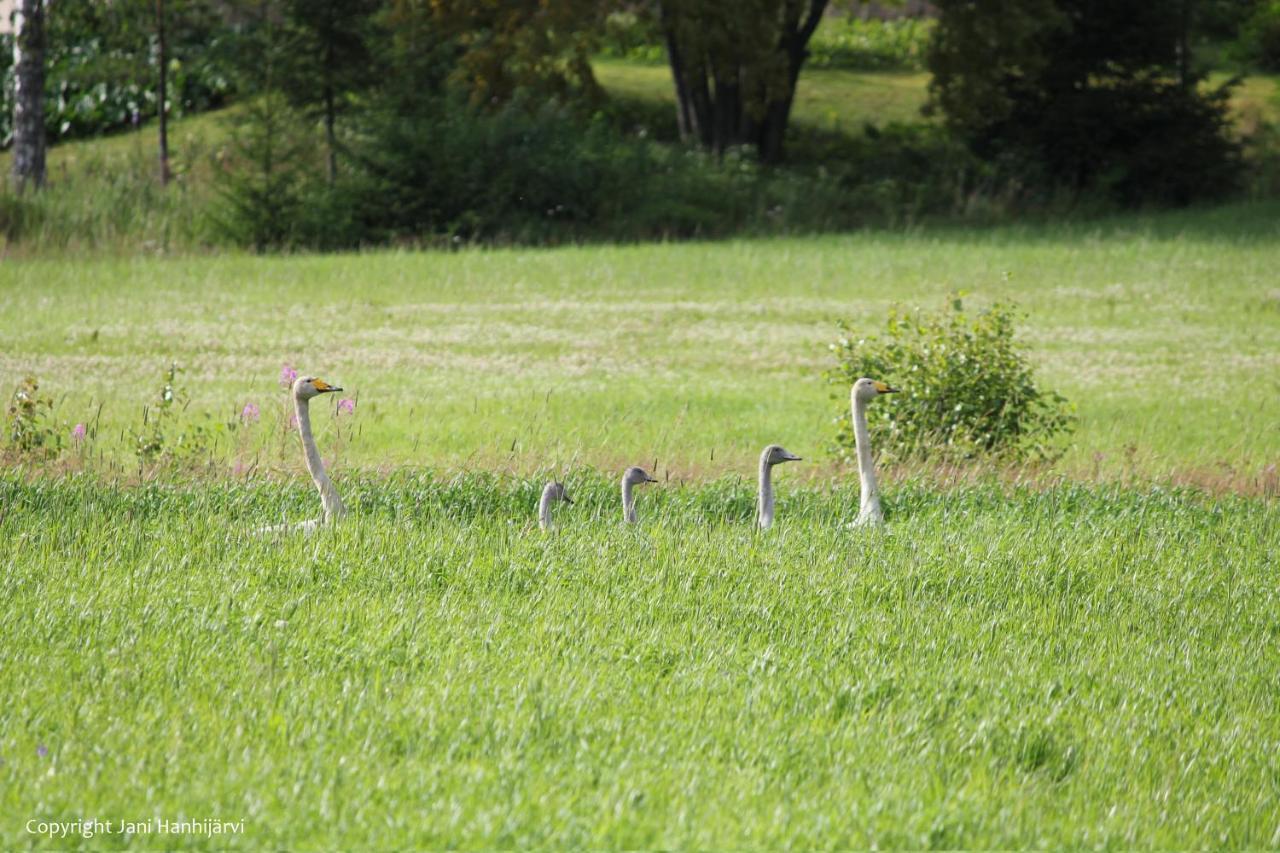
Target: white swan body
column 551, row 493
column 774, row 454
column 630, row 478
column 864, row 391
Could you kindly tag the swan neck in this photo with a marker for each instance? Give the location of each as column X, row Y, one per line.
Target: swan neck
column 866, row 465
column 628, row 503
column 764, row 515
column 544, row 509
column 333, row 507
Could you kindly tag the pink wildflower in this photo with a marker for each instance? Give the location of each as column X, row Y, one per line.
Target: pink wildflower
column 287, row 376
column 346, row 406
column 77, row 433
column 249, row 414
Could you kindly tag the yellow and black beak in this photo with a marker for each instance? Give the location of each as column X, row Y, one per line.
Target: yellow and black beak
column 882, row 388
column 324, row 387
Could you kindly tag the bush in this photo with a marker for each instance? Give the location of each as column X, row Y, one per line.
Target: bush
column 966, row 388
column 29, row 415
column 546, row 176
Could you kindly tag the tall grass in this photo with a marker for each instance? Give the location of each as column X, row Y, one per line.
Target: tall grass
column 997, row 669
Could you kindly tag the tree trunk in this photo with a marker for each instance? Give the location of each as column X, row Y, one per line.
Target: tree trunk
column 162, row 111
column 720, row 110
column 28, row 95
column 686, row 120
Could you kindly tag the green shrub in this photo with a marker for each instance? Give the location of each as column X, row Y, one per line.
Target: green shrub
column 29, row 415
column 966, row 387
column 262, row 185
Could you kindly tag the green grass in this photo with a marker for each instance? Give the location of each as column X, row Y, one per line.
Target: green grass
column 843, row 100
column 1071, row 667
column 830, row 99
column 1086, row 661
column 1163, row 330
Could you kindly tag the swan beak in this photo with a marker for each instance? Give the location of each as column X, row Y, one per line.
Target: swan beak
column 324, row 387
column 791, row 457
column 649, row 479
column 882, row 388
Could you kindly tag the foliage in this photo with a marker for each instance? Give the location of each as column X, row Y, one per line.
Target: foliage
column 101, row 65
column 29, row 414
column 1084, row 96
column 870, row 44
column 505, row 50
column 633, row 33
column 262, row 181
column 966, row 387
column 1259, row 42
column 547, row 176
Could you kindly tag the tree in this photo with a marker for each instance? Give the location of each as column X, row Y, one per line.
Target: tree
column 1091, row 95
column 328, row 61
column 162, row 94
column 506, row 47
column 735, row 64
column 28, row 94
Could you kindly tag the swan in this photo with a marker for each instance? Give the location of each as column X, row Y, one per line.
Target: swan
column 774, row 454
column 632, row 477
column 864, row 391
column 551, row 493
column 305, row 388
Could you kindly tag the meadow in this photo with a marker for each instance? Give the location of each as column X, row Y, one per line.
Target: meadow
column 1077, row 653
column 1072, row 655
column 1163, row 330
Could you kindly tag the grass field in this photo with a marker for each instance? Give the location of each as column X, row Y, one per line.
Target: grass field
column 836, row 99
column 1074, row 663
column 1072, row 667
column 1164, row 331
column 1072, row 656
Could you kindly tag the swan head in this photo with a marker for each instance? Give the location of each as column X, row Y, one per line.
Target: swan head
column 555, row 491
column 776, row 454
column 868, row 389
column 637, row 476
column 306, row 387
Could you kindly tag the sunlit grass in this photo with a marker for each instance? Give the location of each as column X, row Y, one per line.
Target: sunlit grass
column 1163, row 330
column 1075, row 667
column 837, row 99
